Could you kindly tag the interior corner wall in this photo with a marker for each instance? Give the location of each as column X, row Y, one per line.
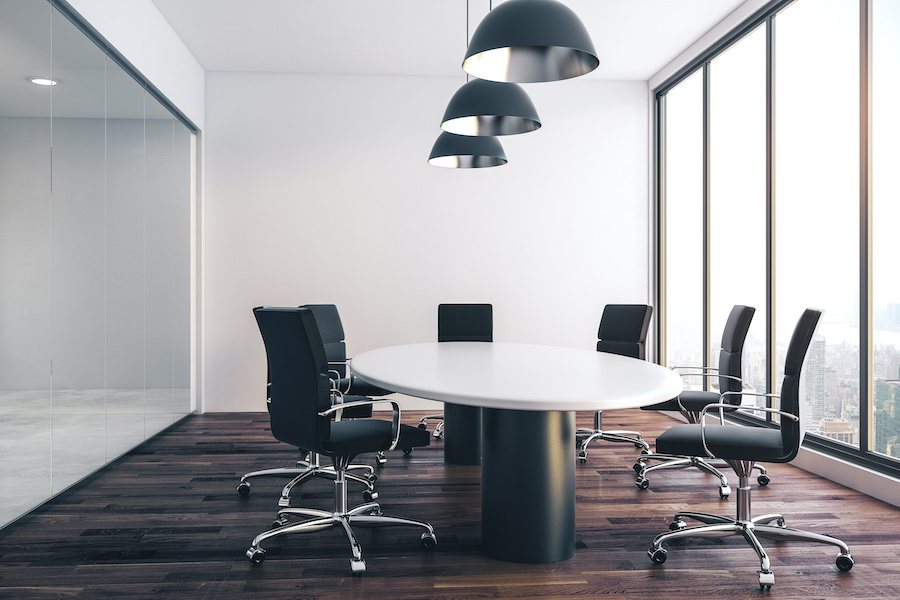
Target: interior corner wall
column 138, row 31
column 318, row 191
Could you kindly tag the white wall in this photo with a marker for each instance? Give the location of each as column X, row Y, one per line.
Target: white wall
column 318, row 190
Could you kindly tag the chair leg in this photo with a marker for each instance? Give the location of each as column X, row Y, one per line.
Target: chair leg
column 668, row 461
column 364, row 515
column 750, row 528
column 438, row 429
column 306, row 469
column 587, row 436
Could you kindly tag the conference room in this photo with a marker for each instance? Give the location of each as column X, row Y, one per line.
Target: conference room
column 184, row 162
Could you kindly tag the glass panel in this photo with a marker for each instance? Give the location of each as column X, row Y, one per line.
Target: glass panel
column 125, row 260
column 885, row 413
column 24, row 257
column 182, row 194
column 684, row 222
column 737, row 213
column 817, row 203
column 94, row 254
column 78, row 269
column 159, row 265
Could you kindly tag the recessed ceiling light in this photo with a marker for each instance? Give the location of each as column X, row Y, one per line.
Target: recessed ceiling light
column 42, row 81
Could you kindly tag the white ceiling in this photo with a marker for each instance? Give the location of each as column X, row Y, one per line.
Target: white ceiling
column 634, row 38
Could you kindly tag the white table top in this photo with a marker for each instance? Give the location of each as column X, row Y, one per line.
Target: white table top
column 517, row 376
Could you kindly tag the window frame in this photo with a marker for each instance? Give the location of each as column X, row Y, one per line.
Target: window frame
column 861, row 455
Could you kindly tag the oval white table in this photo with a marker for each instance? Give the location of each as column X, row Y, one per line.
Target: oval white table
column 529, row 394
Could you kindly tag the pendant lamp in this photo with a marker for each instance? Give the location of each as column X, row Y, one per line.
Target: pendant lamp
column 465, row 151
column 490, row 108
column 527, row 41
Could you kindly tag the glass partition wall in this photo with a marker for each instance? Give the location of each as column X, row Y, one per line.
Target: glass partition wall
column 791, row 173
column 96, row 188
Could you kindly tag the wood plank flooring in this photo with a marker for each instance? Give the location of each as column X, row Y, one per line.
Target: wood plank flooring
column 165, row 521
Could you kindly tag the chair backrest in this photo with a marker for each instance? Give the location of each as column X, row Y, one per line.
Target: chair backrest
column 298, row 370
column 791, row 386
column 623, row 329
column 732, row 350
column 465, row 323
column 332, row 332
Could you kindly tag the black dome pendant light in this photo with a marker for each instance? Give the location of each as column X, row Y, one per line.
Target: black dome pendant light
column 490, row 108
column 466, row 151
column 526, row 41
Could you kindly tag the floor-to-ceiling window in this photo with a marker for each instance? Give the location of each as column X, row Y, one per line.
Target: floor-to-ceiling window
column 884, row 410
column 798, row 194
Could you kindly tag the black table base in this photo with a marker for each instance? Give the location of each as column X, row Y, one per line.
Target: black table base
column 462, row 434
column 528, row 485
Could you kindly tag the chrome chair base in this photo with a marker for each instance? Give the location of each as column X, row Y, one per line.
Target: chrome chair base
column 438, row 429
column 668, row 461
column 364, row 515
column 308, row 468
column 750, row 528
column 671, row 461
column 588, row 436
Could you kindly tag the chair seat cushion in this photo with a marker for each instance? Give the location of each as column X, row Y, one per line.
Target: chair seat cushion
column 724, row 441
column 349, row 438
column 693, row 401
column 359, row 387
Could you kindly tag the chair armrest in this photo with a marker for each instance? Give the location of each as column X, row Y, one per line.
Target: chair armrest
column 395, row 422
column 721, row 406
column 335, row 375
column 700, row 367
column 711, row 375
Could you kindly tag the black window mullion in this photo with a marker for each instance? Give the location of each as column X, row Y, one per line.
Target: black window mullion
column 866, row 379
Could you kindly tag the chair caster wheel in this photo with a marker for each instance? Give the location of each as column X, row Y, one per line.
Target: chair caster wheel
column 357, row 565
column 639, row 468
column 243, row 488
column 375, row 512
column 281, row 521
column 844, row 562
column 256, row 555
column 677, row 525
column 640, row 446
column 657, row 555
column 763, row 479
column 766, row 580
column 582, row 456
column 407, row 451
column 724, row 491
column 642, row 483
column 371, row 477
column 380, row 459
column 437, row 434
column 422, row 426
column 369, row 495
column 429, row 540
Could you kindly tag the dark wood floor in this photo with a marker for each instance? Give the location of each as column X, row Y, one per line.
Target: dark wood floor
column 165, row 521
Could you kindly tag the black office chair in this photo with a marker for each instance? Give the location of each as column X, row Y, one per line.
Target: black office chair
column 302, row 413
column 691, row 402
column 331, row 331
column 623, row 330
column 742, row 447
column 461, row 323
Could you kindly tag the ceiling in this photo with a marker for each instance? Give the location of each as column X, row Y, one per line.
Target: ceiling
column 634, row 38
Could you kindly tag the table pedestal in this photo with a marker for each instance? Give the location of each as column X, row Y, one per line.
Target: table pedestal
column 462, row 434
column 528, row 485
